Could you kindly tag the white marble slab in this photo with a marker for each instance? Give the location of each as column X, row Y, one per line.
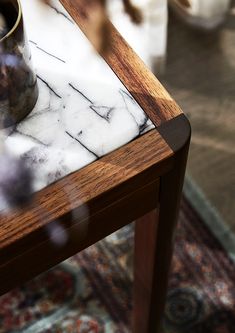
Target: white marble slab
column 83, row 111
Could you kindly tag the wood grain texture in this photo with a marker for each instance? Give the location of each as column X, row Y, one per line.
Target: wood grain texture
column 95, row 186
column 130, row 69
column 42, row 254
column 111, row 192
column 144, row 261
column 154, row 241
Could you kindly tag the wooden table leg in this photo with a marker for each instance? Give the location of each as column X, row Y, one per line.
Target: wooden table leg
column 144, row 258
column 154, row 238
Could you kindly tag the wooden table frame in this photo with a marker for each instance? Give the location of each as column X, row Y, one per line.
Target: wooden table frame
column 140, row 181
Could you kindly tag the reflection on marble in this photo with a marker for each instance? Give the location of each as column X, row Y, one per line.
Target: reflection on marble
column 83, row 111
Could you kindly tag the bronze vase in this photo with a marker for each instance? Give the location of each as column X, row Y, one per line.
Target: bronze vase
column 18, row 83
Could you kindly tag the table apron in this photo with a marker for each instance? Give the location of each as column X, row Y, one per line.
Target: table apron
column 44, row 255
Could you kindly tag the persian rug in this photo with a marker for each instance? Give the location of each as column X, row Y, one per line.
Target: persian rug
column 91, row 292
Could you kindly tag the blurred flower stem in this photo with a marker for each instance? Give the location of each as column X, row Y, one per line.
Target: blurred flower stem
column 99, row 29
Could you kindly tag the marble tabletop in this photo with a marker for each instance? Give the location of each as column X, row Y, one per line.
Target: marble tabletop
column 83, row 111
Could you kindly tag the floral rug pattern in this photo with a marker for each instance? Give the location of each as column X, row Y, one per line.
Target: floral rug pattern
column 91, row 292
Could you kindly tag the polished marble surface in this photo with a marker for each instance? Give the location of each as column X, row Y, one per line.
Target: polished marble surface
column 83, row 111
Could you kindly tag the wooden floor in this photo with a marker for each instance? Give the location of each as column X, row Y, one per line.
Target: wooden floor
column 200, row 74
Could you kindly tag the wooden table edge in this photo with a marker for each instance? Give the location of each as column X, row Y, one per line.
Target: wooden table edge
column 133, row 165
column 136, row 164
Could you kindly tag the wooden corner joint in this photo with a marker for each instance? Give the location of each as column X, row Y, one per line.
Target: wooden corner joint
column 176, row 132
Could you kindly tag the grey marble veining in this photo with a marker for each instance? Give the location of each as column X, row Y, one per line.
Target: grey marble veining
column 83, row 111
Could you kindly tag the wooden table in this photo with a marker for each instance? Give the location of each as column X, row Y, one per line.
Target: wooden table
column 142, row 181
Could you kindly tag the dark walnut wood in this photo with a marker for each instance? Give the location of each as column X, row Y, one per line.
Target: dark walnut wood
column 77, row 201
column 144, row 262
column 142, row 178
column 120, row 170
column 154, row 240
column 82, row 231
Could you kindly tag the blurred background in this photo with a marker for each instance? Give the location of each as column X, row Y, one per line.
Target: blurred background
column 200, row 74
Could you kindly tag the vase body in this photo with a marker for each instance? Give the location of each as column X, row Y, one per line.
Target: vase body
column 18, row 84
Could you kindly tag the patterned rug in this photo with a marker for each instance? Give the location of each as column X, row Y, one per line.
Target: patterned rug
column 91, row 291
